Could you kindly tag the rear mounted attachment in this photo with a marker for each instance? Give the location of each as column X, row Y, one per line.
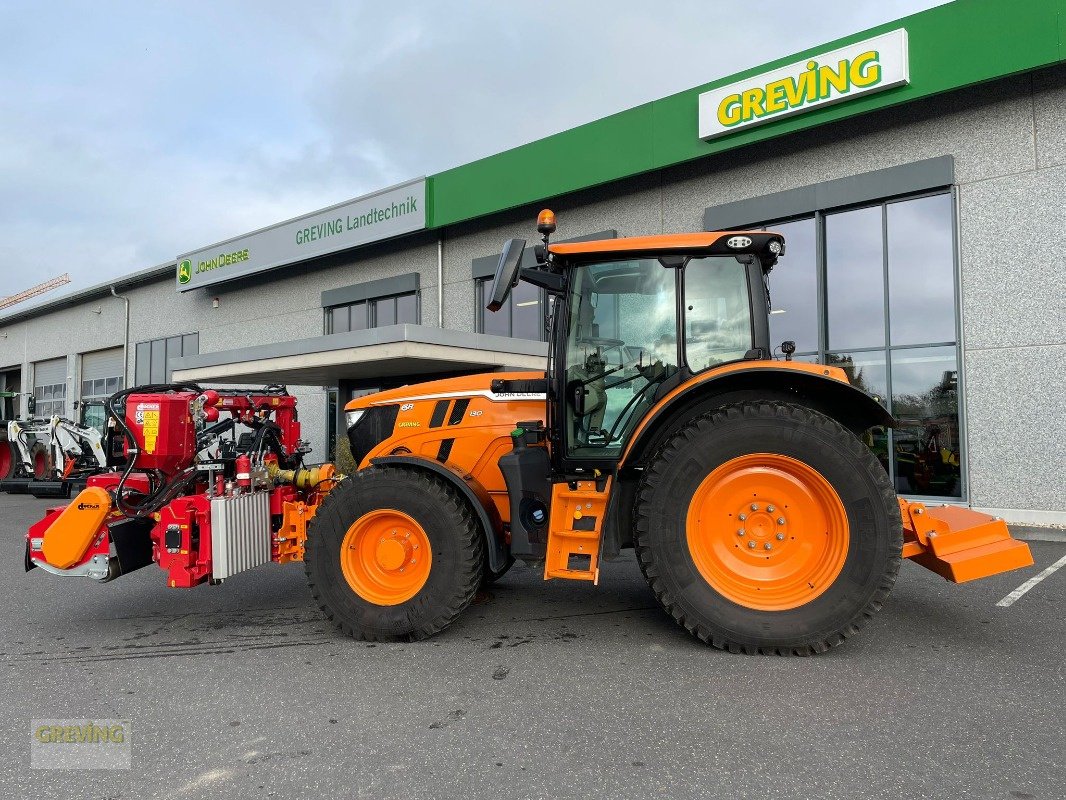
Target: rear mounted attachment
column 958, row 544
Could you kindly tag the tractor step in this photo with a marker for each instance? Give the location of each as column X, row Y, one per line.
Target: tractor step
column 577, row 514
column 959, row 544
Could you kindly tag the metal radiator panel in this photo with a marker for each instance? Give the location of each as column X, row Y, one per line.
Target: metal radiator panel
column 240, row 533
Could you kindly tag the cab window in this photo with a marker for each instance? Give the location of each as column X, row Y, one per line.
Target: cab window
column 718, row 325
column 621, row 344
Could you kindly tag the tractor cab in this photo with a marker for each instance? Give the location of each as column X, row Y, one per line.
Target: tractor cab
column 635, row 318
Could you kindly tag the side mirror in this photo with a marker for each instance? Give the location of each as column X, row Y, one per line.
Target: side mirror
column 506, row 273
column 31, row 405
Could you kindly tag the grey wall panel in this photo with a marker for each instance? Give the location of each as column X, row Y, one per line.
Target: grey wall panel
column 311, row 406
column 1049, row 99
column 1013, row 274
column 919, row 176
column 382, row 287
column 1017, row 435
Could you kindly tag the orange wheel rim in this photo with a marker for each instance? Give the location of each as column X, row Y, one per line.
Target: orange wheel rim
column 767, row 532
column 386, row 557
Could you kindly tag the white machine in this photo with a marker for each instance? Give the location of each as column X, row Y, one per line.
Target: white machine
column 71, row 449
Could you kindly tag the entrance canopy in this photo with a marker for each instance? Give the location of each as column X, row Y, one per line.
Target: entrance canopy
column 391, row 352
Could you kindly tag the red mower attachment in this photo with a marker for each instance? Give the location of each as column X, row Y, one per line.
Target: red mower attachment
column 214, row 485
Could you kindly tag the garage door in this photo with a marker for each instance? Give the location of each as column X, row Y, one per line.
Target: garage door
column 101, row 377
column 101, row 373
column 50, row 387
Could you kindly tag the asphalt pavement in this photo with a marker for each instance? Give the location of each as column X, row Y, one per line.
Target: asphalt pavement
column 552, row 690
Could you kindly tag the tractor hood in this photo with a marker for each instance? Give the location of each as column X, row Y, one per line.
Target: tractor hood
column 464, row 386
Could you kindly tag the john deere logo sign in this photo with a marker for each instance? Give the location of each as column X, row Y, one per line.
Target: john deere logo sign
column 377, row 216
column 868, row 66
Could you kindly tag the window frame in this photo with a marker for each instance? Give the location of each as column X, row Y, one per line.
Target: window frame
column 755, row 292
column 182, row 339
column 369, row 305
column 482, row 286
column 821, row 275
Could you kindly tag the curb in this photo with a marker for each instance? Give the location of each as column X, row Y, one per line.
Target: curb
column 1035, row 533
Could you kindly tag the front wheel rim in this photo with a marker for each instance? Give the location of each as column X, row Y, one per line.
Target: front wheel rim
column 386, row 557
column 767, row 531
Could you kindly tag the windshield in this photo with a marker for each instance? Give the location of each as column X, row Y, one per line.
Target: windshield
column 622, row 340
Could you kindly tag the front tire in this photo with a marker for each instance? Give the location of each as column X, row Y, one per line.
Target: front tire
column 393, row 554
column 768, row 527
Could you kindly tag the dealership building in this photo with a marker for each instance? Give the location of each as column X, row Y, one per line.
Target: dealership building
column 917, row 171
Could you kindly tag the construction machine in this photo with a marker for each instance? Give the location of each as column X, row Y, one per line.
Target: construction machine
column 662, row 423
column 51, row 456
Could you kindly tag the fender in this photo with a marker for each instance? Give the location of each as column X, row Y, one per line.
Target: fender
column 825, row 389
column 484, row 509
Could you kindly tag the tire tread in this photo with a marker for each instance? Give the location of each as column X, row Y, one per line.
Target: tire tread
column 758, row 410
column 452, row 506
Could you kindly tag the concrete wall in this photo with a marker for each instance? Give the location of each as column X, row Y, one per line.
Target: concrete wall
column 1008, row 140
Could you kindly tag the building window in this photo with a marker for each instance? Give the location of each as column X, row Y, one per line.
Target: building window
column 94, row 394
column 522, row 317
column 374, row 313
column 888, row 316
column 152, row 361
column 51, row 399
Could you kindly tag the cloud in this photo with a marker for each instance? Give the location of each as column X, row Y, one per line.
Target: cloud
column 136, row 132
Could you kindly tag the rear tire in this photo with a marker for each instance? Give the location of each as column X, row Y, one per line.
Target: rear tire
column 367, row 527
column 7, row 460
column 39, row 459
column 799, row 574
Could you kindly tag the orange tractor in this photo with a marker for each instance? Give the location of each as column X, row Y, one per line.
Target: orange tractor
column 663, row 423
column 759, row 519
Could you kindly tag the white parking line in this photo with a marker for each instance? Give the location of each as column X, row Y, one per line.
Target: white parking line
column 1029, row 584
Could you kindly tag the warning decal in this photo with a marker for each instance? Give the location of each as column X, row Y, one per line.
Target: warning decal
column 151, row 430
column 147, row 416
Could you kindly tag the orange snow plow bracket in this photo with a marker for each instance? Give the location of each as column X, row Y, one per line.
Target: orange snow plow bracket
column 959, row 544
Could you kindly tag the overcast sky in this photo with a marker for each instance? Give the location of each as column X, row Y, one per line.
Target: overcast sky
column 130, row 132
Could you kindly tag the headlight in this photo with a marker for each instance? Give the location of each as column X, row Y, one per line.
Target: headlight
column 352, row 417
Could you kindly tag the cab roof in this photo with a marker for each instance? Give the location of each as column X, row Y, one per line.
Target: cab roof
column 702, row 243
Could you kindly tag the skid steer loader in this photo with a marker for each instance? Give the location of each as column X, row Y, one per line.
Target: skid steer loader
column 760, row 520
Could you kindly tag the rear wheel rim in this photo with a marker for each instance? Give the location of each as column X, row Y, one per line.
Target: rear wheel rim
column 40, row 466
column 767, row 532
column 5, row 459
column 386, row 557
